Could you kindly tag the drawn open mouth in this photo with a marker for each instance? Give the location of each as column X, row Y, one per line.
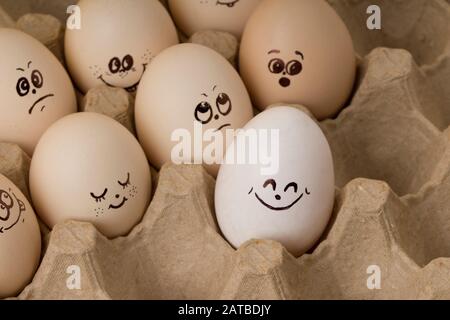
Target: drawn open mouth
column 228, row 4
column 132, row 88
column 120, row 205
column 281, row 208
column 30, row 111
column 285, row 82
column 224, row 126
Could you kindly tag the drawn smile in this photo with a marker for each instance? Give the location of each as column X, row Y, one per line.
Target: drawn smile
column 278, row 208
column 131, row 88
column 30, row 111
column 120, row 205
column 224, row 126
column 228, row 4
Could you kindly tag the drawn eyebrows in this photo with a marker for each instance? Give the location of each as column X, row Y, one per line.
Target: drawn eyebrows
column 214, row 88
column 274, row 51
column 23, row 70
column 300, row 54
column 205, row 95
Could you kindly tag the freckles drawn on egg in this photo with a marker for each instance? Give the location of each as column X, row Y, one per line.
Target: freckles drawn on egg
column 11, row 209
column 290, row 190
column 33, row 82
column 119, row 69
column 287, row 70
column 117, row 200
column 204, row 112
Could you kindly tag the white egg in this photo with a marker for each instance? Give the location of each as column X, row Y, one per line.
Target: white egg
column 286, row 195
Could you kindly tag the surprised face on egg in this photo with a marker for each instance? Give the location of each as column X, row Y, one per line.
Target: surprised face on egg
column 285, row 70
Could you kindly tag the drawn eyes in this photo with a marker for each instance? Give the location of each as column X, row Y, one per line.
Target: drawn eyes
column 102, row 197
column 292, row 68
column 126, row 183
column 115, row 65
column 273, row 184
column 204, row 112
column 23, row 85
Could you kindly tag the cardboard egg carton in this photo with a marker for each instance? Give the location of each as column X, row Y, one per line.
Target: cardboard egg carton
column 389, row 236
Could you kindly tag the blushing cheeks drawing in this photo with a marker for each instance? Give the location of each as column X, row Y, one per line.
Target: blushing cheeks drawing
column 286, row 70
column 281, row 201
column 122, row 70
column 29, row 87
column 11, row 210
column 214, row 109
column 112, row 201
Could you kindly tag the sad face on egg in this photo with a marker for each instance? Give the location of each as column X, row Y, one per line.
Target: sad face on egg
column 277, row 198
column 115, row 197
column 206, row 114
column 30, row 87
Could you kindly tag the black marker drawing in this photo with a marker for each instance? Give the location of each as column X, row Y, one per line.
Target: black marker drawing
column 204, row 112
column 23, row 87
column 272, row 183
column 10, row 211
column 125, row 185
column 229, row 4
column 119, row 69
column 292, row 68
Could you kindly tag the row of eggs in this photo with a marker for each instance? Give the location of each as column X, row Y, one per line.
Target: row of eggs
column 88, row 167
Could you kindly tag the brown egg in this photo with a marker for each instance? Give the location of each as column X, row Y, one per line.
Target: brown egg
column 298, row 52
column 35, row 89
column 89, row 167
column 20, row 240
column 189, row 88
column 220, row 15
column 116, row 41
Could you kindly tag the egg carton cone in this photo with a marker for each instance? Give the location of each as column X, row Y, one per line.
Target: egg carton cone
column 389, row 235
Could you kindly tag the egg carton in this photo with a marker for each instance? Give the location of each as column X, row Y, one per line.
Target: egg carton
column 389, row 236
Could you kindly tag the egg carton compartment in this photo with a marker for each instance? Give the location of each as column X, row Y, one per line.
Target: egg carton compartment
column 391, row 147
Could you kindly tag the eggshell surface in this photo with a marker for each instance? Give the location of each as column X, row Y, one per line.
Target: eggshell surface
column 188, row 86
column 116, row 41
column 298, row 52
column 220, row 15
column 88, row 167
column 20, row 240
column 35, row 89
column 292, row 202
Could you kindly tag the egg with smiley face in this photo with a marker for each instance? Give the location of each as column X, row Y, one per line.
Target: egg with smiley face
column 298, row 52
column 220, row 15
column 189, row 88
column 290, row 203
column 34, row 88
column 89, row 167
column 116, row 41
column 20, row 240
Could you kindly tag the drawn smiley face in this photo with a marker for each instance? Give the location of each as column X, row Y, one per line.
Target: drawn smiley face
column 121, row 71
column 11, row 209
column 287, row 70
column 205, row 112
column 124, row 192
column 31, row 82
column 290, row 192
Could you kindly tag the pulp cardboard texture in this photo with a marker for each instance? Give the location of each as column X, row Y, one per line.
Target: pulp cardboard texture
column 391, row 147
